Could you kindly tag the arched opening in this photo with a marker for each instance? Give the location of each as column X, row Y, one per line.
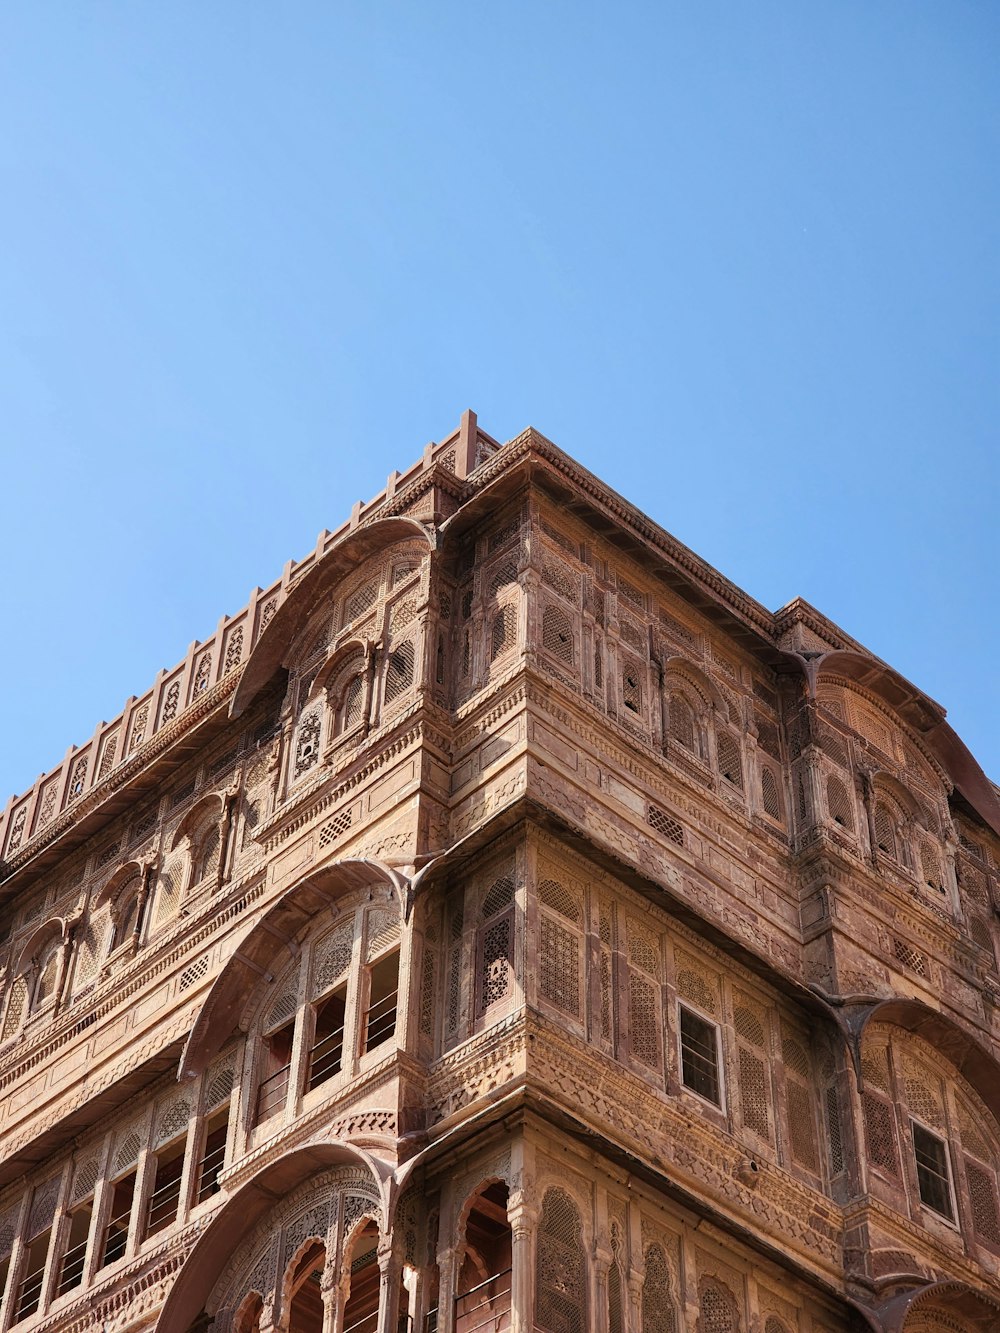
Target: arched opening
column 305, row 1291
column 248, row 1318
column 482, row 1300
column 560, row 1266
column 361, row 1265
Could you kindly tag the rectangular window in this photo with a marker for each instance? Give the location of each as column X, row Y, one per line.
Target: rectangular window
column 72, row 1267
column 379, row 1024
column 700, row 1056
column 166, row 1191
column 116, row 1231
column 932, row 1171
column 71, row 1271
column 327, row 1055
column 214, row 1156
column 273, row 1090
column 29, row 1293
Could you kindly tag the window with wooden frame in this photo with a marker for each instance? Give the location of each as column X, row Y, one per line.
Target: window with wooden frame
column 125, row 914
column 933, row 1172
column 276, row 1064
column 700, row 1065
column 326, row 1056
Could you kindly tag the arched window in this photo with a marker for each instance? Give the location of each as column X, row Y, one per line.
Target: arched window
column 125, row 914
column 561, row 1271
column 14, row 1013
column 248, row 1316
column 681, row 724
column 483, row 1299
column 885, row 831
column 719, row 1312
column 48, row 973
column 659, row 1313
column 347, row 697
column 302, row 1289
column 206, row 854
column 839, row 804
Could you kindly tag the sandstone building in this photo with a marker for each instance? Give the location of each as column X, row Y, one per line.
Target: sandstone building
column 504, row 922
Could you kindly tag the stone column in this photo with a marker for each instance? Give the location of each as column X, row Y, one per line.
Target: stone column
column 599, row 1290
column 633, row 1312
column 523, row 1218
column 390, row 1267
column 448, row 1262
column 332, row 1301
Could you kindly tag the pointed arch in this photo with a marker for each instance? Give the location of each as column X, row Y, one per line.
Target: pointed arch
column 272, row 649
column 920, row 713
column 959, row 1047
column 125, row 873
column 267, row 945
column 684, row 671
column 915, row 1310
column 38, row 942
column 204, row 811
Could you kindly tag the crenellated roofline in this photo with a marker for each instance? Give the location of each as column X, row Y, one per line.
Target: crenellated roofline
column 473, row 473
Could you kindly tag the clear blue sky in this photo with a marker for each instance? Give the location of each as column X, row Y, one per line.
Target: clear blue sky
column 739, row 259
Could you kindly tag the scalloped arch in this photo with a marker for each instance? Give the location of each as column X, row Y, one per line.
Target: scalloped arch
column 271, row 1191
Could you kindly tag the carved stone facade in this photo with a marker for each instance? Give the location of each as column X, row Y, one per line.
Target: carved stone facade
column 504, row 922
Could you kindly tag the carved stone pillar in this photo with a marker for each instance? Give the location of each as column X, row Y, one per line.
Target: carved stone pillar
column 149, row 865
column 330, row 1292
column 633, row 1314
column 390, row 1266
column 951, row 866
column 448, row 1261
column 369, row 696
column 523, row 1218
column 226, row 833
column 603, row 1260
